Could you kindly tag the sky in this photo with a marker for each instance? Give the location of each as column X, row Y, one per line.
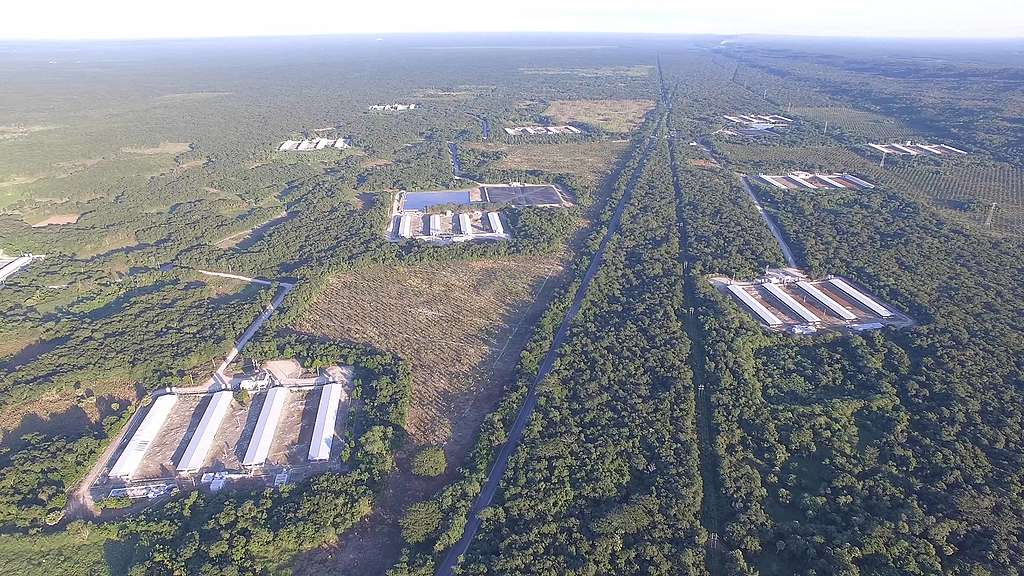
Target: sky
column 114, row 19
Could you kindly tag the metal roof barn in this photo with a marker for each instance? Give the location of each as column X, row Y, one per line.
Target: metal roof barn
column 133, row 453
column 266, row 426
column 331, row 396
column 856, row 180
column 758, row 308
column 791, row 302
column 13, row 266
column 202, row 439
column 405, row 226
column 495, row 221
column 465, row 225
column 860, row 297
column 827, row 300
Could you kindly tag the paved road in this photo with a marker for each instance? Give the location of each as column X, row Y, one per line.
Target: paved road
column 454, row 556
column 786, row 252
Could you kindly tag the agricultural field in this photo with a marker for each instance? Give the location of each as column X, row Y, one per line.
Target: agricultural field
column 615, row 116
column 859, row 125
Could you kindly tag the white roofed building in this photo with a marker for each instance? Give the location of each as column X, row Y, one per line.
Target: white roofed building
column 202, row 439
column 266, row 426
column 131, row 457
column 331, row 396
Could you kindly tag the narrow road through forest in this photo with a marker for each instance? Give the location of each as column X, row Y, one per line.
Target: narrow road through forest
column 786, row 252
column 515, row 434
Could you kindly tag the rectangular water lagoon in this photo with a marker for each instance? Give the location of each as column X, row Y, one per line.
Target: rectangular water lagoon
column 423, row 200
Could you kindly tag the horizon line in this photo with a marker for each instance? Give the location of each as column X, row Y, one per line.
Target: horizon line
column 284, row 35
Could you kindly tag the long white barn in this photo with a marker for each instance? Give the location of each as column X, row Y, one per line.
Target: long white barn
column 266, row 426
column 829, row 302
column 331, row 396
column 202, row 440
column 764, row 313
column 860, row 297
column 12, row 267
column 791, row 302
column 128, row 462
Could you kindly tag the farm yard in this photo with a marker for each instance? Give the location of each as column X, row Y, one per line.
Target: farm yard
column 787, row 300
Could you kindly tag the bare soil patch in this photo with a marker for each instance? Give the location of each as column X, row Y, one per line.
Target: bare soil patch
column 58, row 220
column 618, row 116
column 374, row 162
column 18, row 181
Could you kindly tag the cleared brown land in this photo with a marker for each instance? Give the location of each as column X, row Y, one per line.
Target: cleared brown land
column 619, row 116
column 589, row 160
column 460, row 328
column 445, row 321
column 57, row 220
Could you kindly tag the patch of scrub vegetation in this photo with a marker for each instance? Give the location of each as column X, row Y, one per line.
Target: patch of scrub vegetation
column 638, row 71
column 615, row 116
column 81, row 549
column 162, row 148
column 591, row 162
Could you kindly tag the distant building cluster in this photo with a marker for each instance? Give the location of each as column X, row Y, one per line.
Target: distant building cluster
column 787, row 300
column 537, row 130
column 808, row 181
column 314, row 144
column 911, row 149
column 450, row 227
column 392, row 107
column 760, row 120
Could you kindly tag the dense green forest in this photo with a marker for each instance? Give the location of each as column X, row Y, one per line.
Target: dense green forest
column 607, row 478
column 891, row 452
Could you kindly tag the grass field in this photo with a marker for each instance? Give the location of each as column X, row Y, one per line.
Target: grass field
column 460, row 328
column 619, row 116
column 591, row 161
column 81, row 551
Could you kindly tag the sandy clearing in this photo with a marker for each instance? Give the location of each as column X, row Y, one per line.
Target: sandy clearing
column 58, row 220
